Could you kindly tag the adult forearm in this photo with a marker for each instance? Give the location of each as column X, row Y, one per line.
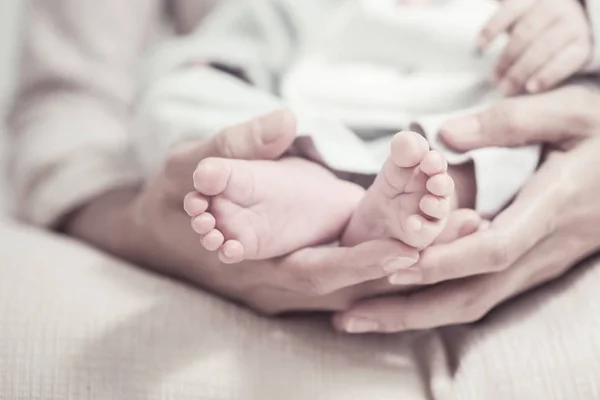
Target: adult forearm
column 108, row 223
column 117, row 223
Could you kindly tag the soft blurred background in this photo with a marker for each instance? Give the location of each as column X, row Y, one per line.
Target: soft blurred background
column 9, row 30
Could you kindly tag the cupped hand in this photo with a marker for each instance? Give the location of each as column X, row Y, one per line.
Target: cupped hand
column 552, row 224
column 549, row 41
column 319, row 278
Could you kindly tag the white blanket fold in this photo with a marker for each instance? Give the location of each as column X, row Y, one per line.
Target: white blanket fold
column 353, row 72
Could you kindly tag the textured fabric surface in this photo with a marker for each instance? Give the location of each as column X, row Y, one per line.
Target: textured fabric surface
column 76, row 324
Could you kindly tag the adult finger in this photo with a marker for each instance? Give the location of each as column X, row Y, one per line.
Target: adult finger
column 547, row 117
column 508, row 13
column 265, row 137
column 534, row 57
column 526, row 30
column 515, row 231
column 572, row 58
column 446, row 304
column 460, row 223
column 323, row 270
column 460, row 301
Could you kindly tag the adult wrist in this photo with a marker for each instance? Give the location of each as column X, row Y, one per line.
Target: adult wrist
column 108, row 222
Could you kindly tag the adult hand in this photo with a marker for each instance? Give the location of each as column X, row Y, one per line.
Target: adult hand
column 549, row 41
column 552, row 224
column 311, row 278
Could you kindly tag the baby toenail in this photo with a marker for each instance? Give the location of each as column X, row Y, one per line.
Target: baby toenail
column 416, row 224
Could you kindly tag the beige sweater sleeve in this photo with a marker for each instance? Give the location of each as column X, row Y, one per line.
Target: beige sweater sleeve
column 593, row 11
column 69, row 123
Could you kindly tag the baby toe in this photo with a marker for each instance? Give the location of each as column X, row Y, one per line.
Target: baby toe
column 211, row 176
column 440, row 185
column 232, row 252
column 433, row 163
column 421, row 232
column 434, row 207
column 212, row 240
column 194, row 204
column 408, row 149
column 203, row 223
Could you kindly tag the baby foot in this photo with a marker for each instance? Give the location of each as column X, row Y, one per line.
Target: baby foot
column 410, row 198
column 264, row 209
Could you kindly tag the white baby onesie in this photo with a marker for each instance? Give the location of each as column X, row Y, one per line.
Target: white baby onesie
column 354, row 71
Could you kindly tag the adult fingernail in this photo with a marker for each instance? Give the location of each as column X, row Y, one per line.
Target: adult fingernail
column 272, row 125
column 467, row 126
column 533, row 86
column 361, row 325
column 398, row 263
column 406, row 277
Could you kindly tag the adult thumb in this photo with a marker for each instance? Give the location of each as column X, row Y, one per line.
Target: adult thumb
column 548, row 117
column 263, row 138
column 266, row 137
